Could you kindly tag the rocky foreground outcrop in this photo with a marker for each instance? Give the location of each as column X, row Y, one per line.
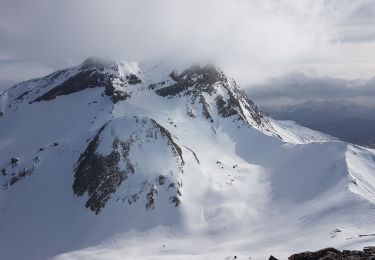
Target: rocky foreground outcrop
column 368, row 253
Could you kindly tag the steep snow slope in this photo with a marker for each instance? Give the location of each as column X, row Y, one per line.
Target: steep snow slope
column 118, row 160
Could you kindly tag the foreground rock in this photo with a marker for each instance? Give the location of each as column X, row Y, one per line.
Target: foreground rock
column 331, row 253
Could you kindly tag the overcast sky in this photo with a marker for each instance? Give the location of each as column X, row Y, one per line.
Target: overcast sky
column 253, row 40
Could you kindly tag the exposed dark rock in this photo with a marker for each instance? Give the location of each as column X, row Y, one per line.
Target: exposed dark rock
column 197, row 80
column 116, row 94
column 133, row 79
column 201, row 78
column 233, row 107
column 172, row 185
column 54, row 76
column 368, row 253
column 98, row 175
column 175, row 200
column 98, row 63
column 14, row 160
column 133, row 198
column 152, row 86
column 23, row 95
column 205, row 108
column 190, row 112
column 125, row 145
column 150, row 198
column 89, row 77
column 78, row 82
column 165, row 133
column 272, row 258
column 225, row 109
column 55, row 144
column 161, row 179
column 1, row 114
column 20, row 175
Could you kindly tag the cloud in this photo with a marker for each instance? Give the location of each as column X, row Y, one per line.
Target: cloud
column 252, row 40
column 13, row 71
column 299, row 88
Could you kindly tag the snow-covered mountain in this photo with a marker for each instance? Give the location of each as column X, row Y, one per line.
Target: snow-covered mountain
column 111, row 160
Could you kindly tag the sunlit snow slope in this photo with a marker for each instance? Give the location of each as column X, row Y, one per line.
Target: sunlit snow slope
column 111, row 160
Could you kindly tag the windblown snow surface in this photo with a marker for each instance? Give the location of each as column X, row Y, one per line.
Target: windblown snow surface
column 124, row 161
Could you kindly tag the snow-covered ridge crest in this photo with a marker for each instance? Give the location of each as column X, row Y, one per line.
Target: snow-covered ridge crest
column 210, row 91
column 205, row 84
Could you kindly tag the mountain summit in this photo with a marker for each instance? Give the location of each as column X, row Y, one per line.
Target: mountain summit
column 124, row 160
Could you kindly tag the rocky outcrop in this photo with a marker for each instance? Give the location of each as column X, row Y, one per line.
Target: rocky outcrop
column 16, row 169
column 93, row 73
column 100, row 174
column 193, row 81
column 78, row 82
column 227, row 99
column 90, row 78
column 368, row 253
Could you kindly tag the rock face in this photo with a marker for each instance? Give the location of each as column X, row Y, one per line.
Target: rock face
column 92, row 73
column 368, row 253
column 115, row 154
column 204, row 83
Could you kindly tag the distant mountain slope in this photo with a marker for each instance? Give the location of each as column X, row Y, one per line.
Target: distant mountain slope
column 119, row 160
column 347, row 121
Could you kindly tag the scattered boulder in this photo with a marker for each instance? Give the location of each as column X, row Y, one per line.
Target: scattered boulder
column 175, row 200
column 14, row 160
column 161, row 179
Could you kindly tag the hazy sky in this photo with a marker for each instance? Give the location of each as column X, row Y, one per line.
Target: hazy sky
column 252, row 40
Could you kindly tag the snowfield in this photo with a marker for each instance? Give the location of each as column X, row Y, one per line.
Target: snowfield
column 113, row 160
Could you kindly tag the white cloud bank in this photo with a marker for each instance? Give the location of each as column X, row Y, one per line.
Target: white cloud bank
column 251, row 39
